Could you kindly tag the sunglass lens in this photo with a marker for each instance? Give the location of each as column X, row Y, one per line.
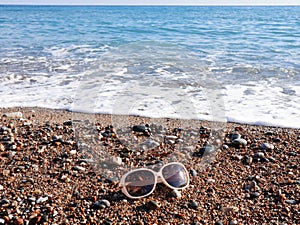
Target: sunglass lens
column 175, row 175
column 140, row 183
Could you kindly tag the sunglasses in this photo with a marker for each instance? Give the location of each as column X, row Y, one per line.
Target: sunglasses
column 141, row 182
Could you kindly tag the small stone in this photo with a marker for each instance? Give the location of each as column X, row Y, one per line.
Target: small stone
column 101, row 204
column 293, row 154
column 176, row 193
column 254, row 195
column 2, row 147
column 1, row 187
column 42, row 199
column 6, row 172
column 115, row 160
column 153, row 205
column 235, row 136
column 225, row 147
column 151, row 143
column 14, row 115
column 193, row 205
column 239, row 142
column 218, row 223
column 250, row 186
column 267, row 146
column 104, row 202
column 171, row 137
column 2, row 221
column 145, row 129
column 79, row 168
column 68, row 123
column 205, row 150
column 259, row 155
column 4, row 201
column 18, row 221
column 233, row 222
column 292, row 202
column 73, row 152
column 193, row 172
column 247, row 160
column 230, row 209
column 171, row 142
column 277, row 140
column 210, row 180
column 31, row 199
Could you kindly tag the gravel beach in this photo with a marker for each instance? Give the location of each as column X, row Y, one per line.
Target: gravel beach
column 239, row 174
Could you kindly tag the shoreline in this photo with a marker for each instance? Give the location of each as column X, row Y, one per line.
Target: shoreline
column 65, row 113
column 251, row 182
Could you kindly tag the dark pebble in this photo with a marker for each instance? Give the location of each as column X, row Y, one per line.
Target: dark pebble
column 193, row 205
column 208, row 149
column 153, row 205
column 239, row 142
column 292, row 202
column 235, row 136
column 276, row 140
column 68, row 123
column 193, row 173
column 254, row 195
column 141, row 128
column 218, row 223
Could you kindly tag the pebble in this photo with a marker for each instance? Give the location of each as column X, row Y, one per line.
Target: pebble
column 225, row 147
column 6, row 172
column 254, row 195
column 171, row 137
column 42, row 199
column 230, row 209
column 218, row 223
column 101, row 204
column 73, row 152
column 235, row 136
column 259, row 155
column 176, row 193
column 153, row 205
column 267, row 146
column 151, row 143
column 115, row 160
column 79, row 168
column 250, row 186
column 141, row 128
column 2, row 221
column 193, row 173
column 19, row 221
column 193, row 204
column 210, row 180
column 233, row 222
column 239, row 142
column 247, row 160
column 15, row 115
column 292, row 202
column 1, row 187
column 207, row 149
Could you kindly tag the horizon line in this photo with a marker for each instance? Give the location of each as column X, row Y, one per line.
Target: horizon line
column 246, row 5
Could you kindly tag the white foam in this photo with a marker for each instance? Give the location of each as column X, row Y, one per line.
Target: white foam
column 154, row 83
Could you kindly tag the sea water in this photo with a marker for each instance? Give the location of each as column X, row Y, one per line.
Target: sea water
column 239, row 64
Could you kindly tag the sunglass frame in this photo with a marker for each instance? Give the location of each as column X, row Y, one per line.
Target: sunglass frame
column 158, row 178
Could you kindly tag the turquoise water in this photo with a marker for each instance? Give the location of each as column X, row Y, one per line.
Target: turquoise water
column 251, row 53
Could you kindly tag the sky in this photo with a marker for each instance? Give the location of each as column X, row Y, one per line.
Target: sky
column 152, row 2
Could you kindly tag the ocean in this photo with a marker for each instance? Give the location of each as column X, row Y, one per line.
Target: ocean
column 238, row 64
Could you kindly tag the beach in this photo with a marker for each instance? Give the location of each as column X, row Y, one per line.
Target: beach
column 252, row 178
column 89, row 93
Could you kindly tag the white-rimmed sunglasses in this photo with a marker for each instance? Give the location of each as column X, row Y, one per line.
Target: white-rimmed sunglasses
column 141, row 182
